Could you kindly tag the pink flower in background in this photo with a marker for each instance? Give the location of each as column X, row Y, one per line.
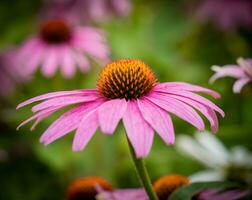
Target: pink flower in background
column 165, row 186
column 60, row 45
column 242, row 71
column 139, row 194
column 226, row 14
column 88, row 10
column 10, row 74
column 128, row 90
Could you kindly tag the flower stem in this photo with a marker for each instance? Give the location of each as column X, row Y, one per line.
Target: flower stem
column 142, row 174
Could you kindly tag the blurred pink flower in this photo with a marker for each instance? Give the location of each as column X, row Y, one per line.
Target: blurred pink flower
column 128, row 90
column 242, row 71
column 88, row 10
column 60, row 45
column 210, row 194
column 226, row 14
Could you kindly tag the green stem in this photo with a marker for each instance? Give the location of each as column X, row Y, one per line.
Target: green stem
column 142, row 174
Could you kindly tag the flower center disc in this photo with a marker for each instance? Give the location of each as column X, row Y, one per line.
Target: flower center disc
column 84, row 188
column 55, row 31
column 168, row 184
column 128, row 79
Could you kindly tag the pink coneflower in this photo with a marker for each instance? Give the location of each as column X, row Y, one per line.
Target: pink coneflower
column 242, row 71
column 226, row 14
column 165, row 186
column 60, row 45
column 128, row 90
column 88, row 10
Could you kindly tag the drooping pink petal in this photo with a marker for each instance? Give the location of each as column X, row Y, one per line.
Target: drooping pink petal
column 228, row 70
column 239, row 84
column 86, row 130
column 31, row 65
column 158, row 119
column 82, row 61
column 68, row 62
column 178, row 108
column 63, row 101
column 67, row 122
column 51, row 61
column 40, row 115
column 186, row 87
column 110, row 113
column 205, row 110
column 139, row 132
column 195, row 97
column 56, row 94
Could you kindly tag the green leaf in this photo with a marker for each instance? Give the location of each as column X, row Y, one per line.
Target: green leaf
column 188, row 191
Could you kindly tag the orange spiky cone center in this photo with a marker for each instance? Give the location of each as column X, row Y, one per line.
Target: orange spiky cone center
column 128, row 79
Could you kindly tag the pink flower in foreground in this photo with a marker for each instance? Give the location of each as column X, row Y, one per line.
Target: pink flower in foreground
column 128, row 90
column 242, row 71
column 89, row 10
column 60, row 45
column 226, row 14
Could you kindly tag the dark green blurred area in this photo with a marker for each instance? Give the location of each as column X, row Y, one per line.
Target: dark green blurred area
column 169, row 39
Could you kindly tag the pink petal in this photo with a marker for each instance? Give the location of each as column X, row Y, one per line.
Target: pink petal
column 186, row 87
column 68, row 62
column 205, row 110
column 195, row 97
column 63, row 101
column 82, row 62
column 139, row 132
column 228, row 70
column 89, row 33
column 110, row 113
column 31, row 65
column 67, row 122
column 56, row 94
column 51, row 61
column 245, row 65
column 27, row 47
column 158, row 119
column 178, row 108
column 40, row 115
column 86, row 130
column 239, row 84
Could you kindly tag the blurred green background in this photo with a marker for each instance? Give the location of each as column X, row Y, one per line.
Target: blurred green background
column 167, row 37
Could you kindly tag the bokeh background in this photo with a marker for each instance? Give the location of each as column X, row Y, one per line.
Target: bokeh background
column 172, row 38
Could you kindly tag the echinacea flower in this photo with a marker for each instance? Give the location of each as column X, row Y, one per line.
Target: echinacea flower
column 88, row 10
column 242, row 71
column 222, row 164
column 85, row 188
column 62, row 45
column 226, row 14
column 165, row 186
column 126, row 89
